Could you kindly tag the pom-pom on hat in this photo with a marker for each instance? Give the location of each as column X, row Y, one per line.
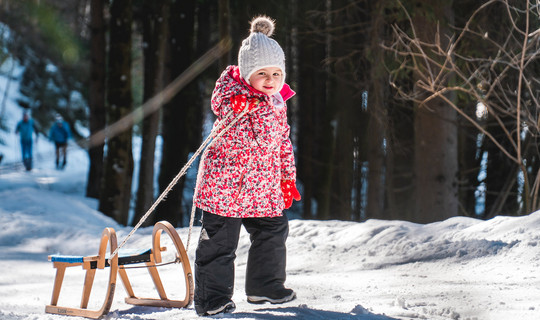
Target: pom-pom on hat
column 259, row 51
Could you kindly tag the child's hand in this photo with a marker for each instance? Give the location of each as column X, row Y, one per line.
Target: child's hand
column 288, row 187
column 240, row 102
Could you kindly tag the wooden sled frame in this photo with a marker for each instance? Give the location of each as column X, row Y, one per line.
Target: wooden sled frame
column 91, row 263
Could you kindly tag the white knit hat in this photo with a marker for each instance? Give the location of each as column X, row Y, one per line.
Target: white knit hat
column 259, row 51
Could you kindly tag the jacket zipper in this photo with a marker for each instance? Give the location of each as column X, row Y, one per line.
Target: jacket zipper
column 240, row 186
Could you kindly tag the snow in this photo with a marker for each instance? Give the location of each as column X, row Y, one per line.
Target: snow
column 460, row 268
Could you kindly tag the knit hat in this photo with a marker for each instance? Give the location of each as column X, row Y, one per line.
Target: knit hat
column 259, row 51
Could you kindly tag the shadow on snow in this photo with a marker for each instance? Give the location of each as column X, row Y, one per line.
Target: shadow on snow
column 300, row 312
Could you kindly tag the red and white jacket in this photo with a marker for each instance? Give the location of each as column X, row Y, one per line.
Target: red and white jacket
column 240, row 174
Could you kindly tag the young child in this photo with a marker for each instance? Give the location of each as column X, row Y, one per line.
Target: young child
column 247, row 177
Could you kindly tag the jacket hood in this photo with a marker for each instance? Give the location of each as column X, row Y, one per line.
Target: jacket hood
column 234, row 72
column 231, row 84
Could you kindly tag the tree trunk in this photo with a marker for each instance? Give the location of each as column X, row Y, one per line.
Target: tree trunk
column 96, row 101
column 182, row 120
column 312, row 99
column 342, row 177
column 436, row 160
column 327, row 126
column 155, row 30
column 345, row 90
column 224, row 25
column 378, row 118
column 400, row 161
column 118, row 170
column 376, row 155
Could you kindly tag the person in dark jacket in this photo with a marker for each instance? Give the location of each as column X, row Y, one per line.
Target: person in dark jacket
column 25, row 128
column 59, row 134
column 247, row 178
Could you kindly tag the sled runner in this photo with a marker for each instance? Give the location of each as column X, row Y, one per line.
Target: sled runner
column 150, row 257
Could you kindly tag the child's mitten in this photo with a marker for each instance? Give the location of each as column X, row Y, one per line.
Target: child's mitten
column 288, row 187
column 240, row 102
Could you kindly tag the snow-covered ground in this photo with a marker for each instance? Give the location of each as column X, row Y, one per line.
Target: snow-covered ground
column 460, row 268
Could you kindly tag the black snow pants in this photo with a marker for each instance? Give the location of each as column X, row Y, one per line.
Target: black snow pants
column 215, row 255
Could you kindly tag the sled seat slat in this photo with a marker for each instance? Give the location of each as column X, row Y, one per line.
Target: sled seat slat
column 66, row 259
column 125, row 256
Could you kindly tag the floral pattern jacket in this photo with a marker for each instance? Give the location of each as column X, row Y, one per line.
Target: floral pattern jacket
column 241, row 172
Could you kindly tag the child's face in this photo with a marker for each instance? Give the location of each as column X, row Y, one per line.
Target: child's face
column 267, row 80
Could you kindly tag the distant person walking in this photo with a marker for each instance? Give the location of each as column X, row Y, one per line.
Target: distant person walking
column 25, row 129
column 59, row 134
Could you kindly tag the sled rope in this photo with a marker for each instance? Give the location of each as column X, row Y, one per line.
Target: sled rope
column 211, row 137
column 193, row 208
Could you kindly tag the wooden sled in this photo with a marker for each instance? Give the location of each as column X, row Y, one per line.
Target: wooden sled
column 150, row 257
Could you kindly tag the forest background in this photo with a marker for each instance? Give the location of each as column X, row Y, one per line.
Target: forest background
column 405, row 109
